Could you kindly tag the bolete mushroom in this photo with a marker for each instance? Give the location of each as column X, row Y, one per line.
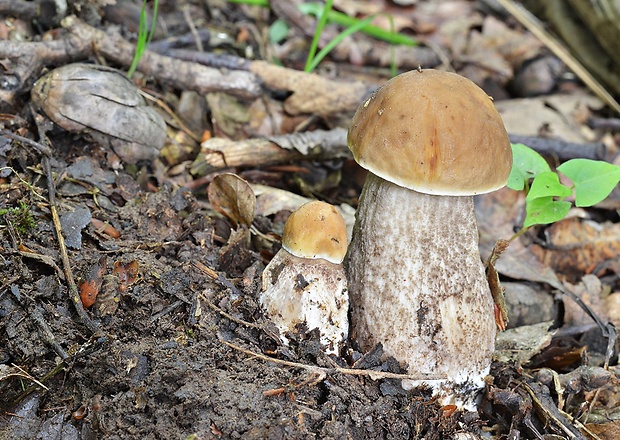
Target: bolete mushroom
column 305, row 281
column 430, row 141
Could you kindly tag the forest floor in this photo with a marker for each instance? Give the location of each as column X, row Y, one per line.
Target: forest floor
column 176, row 345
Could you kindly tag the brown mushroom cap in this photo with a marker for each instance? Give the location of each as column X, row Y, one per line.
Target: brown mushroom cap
column 316, row 230
column 434, row 132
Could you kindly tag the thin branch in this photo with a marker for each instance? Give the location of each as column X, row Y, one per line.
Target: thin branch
column 374, row 375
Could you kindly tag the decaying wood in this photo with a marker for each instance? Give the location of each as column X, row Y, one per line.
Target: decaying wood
column 23, row 61
column 311, row 93
column 180, row 74
column 218, row 153
column 320, row 144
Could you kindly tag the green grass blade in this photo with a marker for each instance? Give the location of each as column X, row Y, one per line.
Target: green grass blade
column 310, row 61
column 344, row 20
column 144, row 36
column 330, row 46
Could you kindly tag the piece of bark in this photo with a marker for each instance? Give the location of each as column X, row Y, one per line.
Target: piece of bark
column 218, row 153
column 23, row 62
column 311, row 93
column 180, row 74
column 319, row 144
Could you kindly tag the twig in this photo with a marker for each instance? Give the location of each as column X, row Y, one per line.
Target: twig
column 228, row 315
column 183, row 75
column 93, row 344
column 29, row 377
column 43, row 149
column 218, row 153
column 66, row 263
column 217, row 278
column 374, row 375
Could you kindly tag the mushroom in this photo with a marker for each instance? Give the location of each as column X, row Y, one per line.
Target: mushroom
column 305, row 281
column 430, row 141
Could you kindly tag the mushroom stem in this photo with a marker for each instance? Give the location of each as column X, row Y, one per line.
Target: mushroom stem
column 417, row 285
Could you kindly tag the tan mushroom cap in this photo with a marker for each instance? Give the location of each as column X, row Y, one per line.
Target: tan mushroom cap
column 434, row 132
column 316, row 230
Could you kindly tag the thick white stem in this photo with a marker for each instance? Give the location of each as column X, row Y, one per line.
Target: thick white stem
column 417, row 284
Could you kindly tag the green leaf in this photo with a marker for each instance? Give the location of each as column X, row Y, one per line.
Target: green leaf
column 545, row 210
column 593, row 179
column 278, row 31
column 547, row 184
column 526, row 164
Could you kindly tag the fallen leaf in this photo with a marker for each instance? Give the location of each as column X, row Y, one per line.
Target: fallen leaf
column 232, row 196
column 575, row 247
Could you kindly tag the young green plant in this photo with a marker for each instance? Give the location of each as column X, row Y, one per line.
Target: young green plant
column 325, row 14
column 145, row 35
column 546, row 197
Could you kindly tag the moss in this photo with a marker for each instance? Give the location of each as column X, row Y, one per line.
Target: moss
column 20, row 217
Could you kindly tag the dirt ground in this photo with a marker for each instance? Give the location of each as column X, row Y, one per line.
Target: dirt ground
column 175, row 345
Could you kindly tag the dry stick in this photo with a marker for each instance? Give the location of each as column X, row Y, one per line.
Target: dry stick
column 324, row 371
column 562, row 149
column 90, row 346
column 220, row 153
column 23, row 60
column 181, row 74
column 25, row 375
column 219, row 279
column 73, row 290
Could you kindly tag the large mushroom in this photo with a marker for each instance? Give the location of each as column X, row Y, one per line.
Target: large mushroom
column 305, row 281
column 430, row 141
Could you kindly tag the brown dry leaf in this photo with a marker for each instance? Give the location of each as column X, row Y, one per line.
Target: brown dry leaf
column 590, row 291
column 612, row 306
column 229, row 115
column 354, row 8
column 605, row 431
column 556, row 114
column 514, row 46
column 575, row 246
column 497, row 213
column 449, row 20
column 127, row 273
column 232, row 196
column 108, row 299
column 105, row 228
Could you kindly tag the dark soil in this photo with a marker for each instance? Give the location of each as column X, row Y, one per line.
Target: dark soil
column 160, row 367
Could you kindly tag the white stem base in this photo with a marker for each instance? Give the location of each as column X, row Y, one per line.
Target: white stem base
column 417, row 285
column 314, row 291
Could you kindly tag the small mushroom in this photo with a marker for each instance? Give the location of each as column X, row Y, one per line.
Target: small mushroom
column 430, row 141
column 305, row 281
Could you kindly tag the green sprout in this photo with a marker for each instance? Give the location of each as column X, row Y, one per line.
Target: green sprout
column 325, row 14
column 545, row 202
column 145, row 35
